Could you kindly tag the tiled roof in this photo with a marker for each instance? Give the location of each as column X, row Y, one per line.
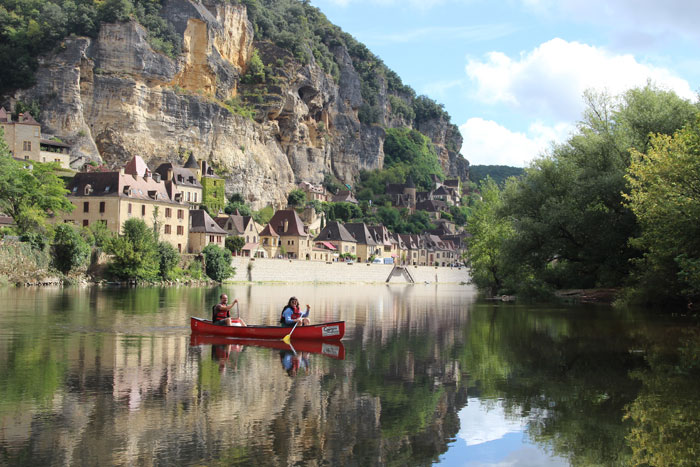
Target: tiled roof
column 360, row 232
column 335, row 231
column 191, row 163
column 201, row 222
column 290, row 218
column 181, row 175
column 136, row 166
column 117, row 184
column 268, row 231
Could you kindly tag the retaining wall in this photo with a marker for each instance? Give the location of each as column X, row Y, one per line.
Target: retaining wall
column 282, row 270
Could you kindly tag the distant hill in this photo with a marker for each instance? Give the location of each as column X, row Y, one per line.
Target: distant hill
column 499, row 173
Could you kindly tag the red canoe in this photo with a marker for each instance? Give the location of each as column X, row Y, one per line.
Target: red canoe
column 324, row 331
column 330, row 349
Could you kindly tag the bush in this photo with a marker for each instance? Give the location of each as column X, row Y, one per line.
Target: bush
column 168, row 258
column 69, row 249
column 217, row 263
column 135, row 254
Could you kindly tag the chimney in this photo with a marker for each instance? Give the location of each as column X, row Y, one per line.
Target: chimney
column 169, row 175
column 121, row 171
column 286, row 226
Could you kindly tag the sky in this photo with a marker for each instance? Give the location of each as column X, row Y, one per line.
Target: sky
column 512, row 73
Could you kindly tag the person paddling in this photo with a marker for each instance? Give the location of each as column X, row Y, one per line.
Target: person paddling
column 291, row 314
column 222, row 313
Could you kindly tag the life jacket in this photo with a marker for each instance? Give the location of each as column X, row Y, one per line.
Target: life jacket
column 296, row 314
column 218, row 313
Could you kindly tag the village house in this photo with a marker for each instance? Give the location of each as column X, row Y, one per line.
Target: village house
column 293, row 236
column 181, row 180
column 402, row 195
column 213, row 192
column 335, row 234
column 204, row 231
column 381, row 236
column 313, row 192
column 25, row 141
column 367, row 247
column 112, row 198
column 412, row 250
column 245, row 227
column 344, row 196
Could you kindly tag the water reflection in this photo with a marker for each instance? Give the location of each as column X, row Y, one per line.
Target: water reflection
column 426, row 374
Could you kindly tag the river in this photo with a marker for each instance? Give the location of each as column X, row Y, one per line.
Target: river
column 427, row 374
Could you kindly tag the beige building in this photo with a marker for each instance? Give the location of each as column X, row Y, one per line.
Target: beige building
column 294, row 239
column 181, row 182
column 24, row 140
column 114, row 197
column 335, row 234
column 366, row 245
column 204, row 231
column 313, row 192
column 271, row 242
column 246, row 228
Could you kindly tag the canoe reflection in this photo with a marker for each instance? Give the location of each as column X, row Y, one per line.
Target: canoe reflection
column 334, row 349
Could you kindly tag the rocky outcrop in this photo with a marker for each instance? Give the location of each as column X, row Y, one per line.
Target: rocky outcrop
column 114, row 97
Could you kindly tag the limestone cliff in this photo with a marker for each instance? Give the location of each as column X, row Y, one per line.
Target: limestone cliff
column 113, row 97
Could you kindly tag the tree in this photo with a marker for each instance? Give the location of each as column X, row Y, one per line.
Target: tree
column 296, row 198
column 68, row 248
column 665, row 198
column 168, row 259
column 30, row 195
column 135, row 253
column 218, row 263
column 486, row 253
column 234, row 244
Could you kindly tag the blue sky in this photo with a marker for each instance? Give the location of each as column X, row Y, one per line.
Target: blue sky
column 512, row 73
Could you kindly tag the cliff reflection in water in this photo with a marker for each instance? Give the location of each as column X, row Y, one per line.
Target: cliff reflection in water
column 92, row 376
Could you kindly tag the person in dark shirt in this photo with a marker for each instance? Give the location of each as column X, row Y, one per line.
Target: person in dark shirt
column 222, row 313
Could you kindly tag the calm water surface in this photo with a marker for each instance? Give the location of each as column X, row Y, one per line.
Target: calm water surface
column 426, row 374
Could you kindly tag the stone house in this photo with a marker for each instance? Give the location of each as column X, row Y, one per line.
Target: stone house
column 344, row 196
column 114, row 197
column 182, row 181
column 270, row 242
column 366, row 245
column 338, row 236
column 385, row 248
column 204, row 231
column 245, row 227
column 25, row 142
column 313, row 192
column 294, row 239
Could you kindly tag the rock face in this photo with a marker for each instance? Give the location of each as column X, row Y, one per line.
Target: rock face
column 114, row 97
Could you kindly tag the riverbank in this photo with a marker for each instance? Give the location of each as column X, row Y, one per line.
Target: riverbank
column 278, row 270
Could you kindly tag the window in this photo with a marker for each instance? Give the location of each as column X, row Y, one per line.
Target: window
column 129, row 210
column 179, row 247
column 85, row 222
column 180, row 230
column 102, row 206
column 143, row 209
column 188, row 196
column 168, row 213
column 167, row 229
column 86, row 206
column 180, row 214
column 195, row 197
column 27, row 145
column 211, row 239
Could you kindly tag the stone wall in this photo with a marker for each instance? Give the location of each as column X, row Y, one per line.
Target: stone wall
column 278, row 270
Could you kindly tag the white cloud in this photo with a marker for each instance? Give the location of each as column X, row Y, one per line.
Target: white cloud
column 548, row 82
column 480, row 424
column 488, row 143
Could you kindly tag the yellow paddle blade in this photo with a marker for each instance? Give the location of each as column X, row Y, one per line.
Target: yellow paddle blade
column 287, row 339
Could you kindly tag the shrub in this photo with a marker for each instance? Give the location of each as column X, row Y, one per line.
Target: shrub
column 217, row 263
column 168, row 258
column 69, row 249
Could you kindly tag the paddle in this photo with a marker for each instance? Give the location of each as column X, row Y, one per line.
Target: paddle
column 288, row 338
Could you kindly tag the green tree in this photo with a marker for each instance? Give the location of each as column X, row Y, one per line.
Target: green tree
column 135, row 253
column 29, row 196
column 413, row 151
column 235, row 244
column 68, row 248
column 296, row 198
column 665, row 198
column 168, row 259
column 218, row 263
column 486, row 253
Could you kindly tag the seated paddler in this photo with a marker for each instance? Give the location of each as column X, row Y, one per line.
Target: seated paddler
column 222, row 313
column 291, row 314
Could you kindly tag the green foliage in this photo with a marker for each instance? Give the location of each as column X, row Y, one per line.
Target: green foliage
column 234, row 244
column 296, row 198
column 331, row 184
column 255, row 74
column 264, row 215
column 135, row 253
column 168, row 259
column 213, row 195
column 400, row 108
column 344, row 212
column 414, row 152
column 427, row 109
column 665, row 198
column 498, row 173
column 217, row 263
column 28, row 196
column 236, row 106
column 101, row 235
column 23, row 107
column 68, row 248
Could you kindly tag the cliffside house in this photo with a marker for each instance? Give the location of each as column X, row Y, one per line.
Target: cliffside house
column 113, row 197
column 412, row 249
column 434, row 208
column 245, row 227
column 366, row 245
column 204, row 231
column 402, row 195
column 335, row 234
column 385, row 249
column 313, row 192
column 25, row 142
column 181, row 182
column 271, row 242
column 344, row 196
column 213, row 194
column 294, row 238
